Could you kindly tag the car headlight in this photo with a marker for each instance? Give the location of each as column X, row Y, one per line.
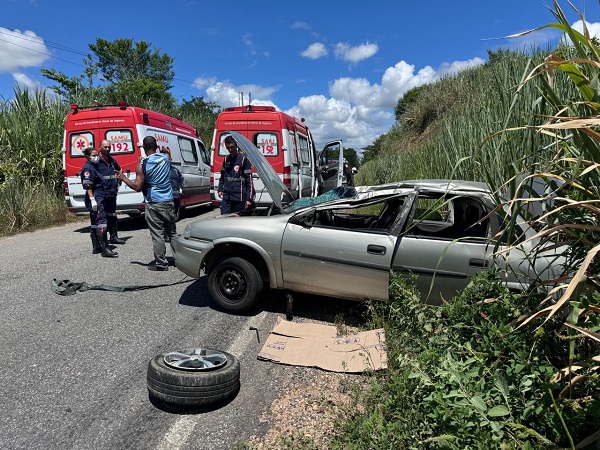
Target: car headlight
column 187, row 232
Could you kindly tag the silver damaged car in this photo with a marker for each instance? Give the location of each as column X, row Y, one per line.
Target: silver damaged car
column 345, row 242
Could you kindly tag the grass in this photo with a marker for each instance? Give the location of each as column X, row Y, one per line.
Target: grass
column 26, row 207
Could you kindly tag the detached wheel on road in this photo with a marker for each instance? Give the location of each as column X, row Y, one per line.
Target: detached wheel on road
column 195, row 377
column 235, row 284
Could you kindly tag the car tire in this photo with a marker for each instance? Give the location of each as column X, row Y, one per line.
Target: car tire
column 235, row 284
column 190, row 387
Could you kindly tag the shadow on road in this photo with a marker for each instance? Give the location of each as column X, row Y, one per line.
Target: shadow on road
column 305, row 306
column 138, row 222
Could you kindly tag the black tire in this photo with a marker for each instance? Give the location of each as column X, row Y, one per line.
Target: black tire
column 193, row 388
column 235, row 284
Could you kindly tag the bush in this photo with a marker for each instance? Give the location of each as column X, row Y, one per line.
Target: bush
column 460, row 376
column 26, row 206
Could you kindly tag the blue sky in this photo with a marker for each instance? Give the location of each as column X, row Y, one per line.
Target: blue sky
column 342, row 65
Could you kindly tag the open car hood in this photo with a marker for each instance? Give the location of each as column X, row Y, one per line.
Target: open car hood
column 274, row 185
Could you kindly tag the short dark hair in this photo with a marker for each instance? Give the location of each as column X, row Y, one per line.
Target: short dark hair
column 149, row 143
column 229, row 138
column 88, row 151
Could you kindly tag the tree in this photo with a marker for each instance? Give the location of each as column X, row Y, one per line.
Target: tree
column 371, row 152
column 352, row 157
column 131, row 72
column 409, row 97
column 200, row 114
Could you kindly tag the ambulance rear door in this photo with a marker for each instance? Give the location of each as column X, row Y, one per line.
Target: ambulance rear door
column 195, row 167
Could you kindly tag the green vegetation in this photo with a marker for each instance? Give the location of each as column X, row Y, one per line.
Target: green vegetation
column 459, row 376
column 492, row 369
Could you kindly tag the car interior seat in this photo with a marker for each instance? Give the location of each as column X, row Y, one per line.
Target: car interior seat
column 388, row 215
column 467, row 215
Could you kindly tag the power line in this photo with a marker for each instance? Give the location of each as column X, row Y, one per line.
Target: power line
column 65, row 48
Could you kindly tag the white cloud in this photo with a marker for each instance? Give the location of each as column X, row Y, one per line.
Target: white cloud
column 315, row 51
column 21, row 49
column 227, row 94
column 356, row 110
column 355, row 54
column 593, row 28
column 24, row 81
column 299, row 25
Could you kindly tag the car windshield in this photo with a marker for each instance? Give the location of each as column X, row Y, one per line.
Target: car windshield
column 338, row 193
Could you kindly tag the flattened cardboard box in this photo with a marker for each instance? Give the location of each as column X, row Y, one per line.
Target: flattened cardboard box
column 316, row 345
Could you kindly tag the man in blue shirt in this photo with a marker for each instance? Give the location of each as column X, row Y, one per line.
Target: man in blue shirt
column 153, row 178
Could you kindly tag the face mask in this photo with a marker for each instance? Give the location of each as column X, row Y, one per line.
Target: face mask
column 95, row 159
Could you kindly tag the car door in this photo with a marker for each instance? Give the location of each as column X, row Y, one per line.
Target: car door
column 348, row 261
column 195, row 167
column 331, row 162
column 441, row 252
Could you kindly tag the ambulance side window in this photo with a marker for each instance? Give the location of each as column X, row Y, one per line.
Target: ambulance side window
column 188, row 153
column 81, row 141
column 203, row 153
column 267, row 143
column 121, row 141
column 304, row 152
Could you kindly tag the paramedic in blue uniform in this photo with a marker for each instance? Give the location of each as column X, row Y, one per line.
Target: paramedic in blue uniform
column 93, row 184
column 153, row 178
column 109, row 167
column 235, row 185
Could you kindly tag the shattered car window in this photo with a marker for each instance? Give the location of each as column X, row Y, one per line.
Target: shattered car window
column 338, row 193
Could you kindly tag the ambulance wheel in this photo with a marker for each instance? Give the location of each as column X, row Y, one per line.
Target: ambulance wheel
column 235, row 284
column 196, row 377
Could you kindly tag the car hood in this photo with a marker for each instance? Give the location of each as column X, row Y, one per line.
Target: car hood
column 274, row 185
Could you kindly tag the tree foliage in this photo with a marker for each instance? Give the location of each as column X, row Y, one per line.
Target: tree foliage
column 120, row 70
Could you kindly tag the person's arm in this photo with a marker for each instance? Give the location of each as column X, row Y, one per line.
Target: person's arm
column 248, row 182
column 88, row 186
column 136, row 184
column 117, row 169
column 221, row 180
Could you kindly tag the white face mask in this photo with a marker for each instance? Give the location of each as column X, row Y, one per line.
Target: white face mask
column 95, row 159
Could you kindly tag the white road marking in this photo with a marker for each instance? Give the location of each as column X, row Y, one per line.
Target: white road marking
column 180, row 431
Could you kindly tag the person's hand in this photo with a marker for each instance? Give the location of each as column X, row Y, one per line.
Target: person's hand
column 94, row 204
column 220, row 194
column 248, row 204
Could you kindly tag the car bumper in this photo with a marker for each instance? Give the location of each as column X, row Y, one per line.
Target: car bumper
column 189, row 255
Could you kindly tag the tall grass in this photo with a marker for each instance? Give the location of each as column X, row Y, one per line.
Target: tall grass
column 442, row 135
column 31, row 132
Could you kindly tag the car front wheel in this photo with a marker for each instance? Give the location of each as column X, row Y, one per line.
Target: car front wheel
column 235, row 284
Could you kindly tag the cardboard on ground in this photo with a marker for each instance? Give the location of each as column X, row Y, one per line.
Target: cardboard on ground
column 316, row 345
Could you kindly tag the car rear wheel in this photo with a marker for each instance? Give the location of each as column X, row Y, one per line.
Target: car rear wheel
column 196, row 377
column 235, row 284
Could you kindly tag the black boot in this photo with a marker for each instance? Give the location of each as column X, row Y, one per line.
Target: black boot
column 114, row 237
column 96, row 247
column 106, row 252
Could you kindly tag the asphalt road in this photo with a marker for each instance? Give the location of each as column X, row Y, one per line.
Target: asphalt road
column 73, row 371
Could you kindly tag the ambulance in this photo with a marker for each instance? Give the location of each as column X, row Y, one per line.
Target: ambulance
column 125, row 127
column 286, row 143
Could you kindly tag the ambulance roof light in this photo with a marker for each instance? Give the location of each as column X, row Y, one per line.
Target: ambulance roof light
column 74, row 107
column 122, row 105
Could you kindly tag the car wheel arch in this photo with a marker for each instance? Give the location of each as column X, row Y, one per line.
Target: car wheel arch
column 258, row 259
